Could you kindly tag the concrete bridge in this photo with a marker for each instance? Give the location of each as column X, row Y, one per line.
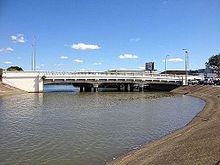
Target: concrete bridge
column 90, row 81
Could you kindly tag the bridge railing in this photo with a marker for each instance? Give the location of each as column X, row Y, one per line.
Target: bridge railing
column 143, row 74
column 107, row 76
column 96, row 75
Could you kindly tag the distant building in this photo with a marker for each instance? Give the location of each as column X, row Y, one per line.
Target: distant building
column 208, row 73
column 149, row 66
column 200, row 73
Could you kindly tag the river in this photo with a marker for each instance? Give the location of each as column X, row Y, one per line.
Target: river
column 86, row 128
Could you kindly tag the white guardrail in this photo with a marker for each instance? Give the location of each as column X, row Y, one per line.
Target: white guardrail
column 97, row 75
column 111, row 75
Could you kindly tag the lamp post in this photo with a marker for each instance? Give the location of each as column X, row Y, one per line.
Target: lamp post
column 186, row 65
column 166, row 64
column 34, row 54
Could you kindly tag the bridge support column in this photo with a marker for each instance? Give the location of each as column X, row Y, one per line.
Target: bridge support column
column 141, row 88
column 82, row 89
column 119, row 88
column 131, row 88
column 88, row 89
column 126, row 87
column 40, row 86
column 95, row 87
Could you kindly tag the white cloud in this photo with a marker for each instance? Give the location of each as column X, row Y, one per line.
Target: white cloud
column 135, row 39
column 7, row 62
column 18, row 38
column 78, row 61
column 97, row 63
column 128, row 56
column 9, row 49
column 6, row 50
column 174, row 60
column 82, row 46
column 64, row 57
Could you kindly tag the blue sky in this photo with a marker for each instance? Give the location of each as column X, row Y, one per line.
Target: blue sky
column 108, row 34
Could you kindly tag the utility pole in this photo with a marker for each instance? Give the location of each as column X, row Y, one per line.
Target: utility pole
column 186, row 65
column 34, row 54
column 166, row 64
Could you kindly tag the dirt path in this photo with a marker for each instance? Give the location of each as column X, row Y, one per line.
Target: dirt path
column 197, row 143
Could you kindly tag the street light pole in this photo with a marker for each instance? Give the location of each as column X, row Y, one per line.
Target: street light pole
column 166, row 64
column 34, row 54
column 186, row 65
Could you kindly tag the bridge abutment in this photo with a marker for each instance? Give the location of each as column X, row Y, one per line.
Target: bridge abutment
column 27, row 81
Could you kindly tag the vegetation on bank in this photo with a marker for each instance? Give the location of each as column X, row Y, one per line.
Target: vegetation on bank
column 11, row 68
column 1, row 71
column 14, row 68
column 214, row 63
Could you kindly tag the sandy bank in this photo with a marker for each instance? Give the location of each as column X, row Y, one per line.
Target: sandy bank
column 6, row 90
column 196, row 143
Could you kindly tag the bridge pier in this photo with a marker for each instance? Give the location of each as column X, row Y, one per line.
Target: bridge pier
column 131, row 88
column 95, row 87
column 141, row 88
column 119, row 88
column 126, row 87
column 82, row 88
column 88, row 89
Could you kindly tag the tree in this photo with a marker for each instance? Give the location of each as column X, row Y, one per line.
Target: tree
column 1, row 70
column 214, row 63
column 14, row 68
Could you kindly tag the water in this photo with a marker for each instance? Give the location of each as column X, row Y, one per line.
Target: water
column 86, row 128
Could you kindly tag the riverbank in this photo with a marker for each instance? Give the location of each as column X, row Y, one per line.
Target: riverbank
column 6, row 90
column 196, row 143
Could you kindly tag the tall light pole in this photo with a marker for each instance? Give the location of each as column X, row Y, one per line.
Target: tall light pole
column 186, row 65
column 166, row 64
column 34, row 54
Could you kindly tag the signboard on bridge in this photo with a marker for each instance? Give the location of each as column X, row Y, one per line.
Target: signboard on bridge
column 149, row 66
